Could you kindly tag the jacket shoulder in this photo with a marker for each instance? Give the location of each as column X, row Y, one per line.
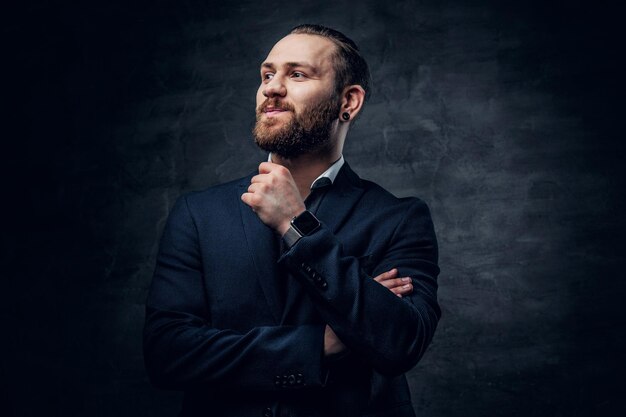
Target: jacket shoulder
column 217, row 197
column 378, row 196
column 216, row 192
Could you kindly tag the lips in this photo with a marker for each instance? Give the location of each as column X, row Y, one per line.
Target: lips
column 273, row 111
column 274, row 108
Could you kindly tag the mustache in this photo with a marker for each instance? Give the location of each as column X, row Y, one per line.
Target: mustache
column 274, row 103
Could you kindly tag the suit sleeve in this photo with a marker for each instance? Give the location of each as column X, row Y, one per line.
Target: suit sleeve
column 388, row 332
column 183, row 350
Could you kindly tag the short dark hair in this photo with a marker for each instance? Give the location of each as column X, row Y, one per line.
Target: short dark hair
column 350, row 66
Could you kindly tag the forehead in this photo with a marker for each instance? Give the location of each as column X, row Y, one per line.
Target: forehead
column 311, row 49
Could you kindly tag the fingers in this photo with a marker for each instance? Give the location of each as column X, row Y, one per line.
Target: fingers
column 399, row 286
column 257, row 186
column 268, row 172
column 403, row 287
column 247, row 198
column 253, row 195
column 261, row 178
column 396, row 282
column 268, row 167
column 392, row 273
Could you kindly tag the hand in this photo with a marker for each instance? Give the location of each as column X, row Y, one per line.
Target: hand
column 274, row 196
column 332, row 344
column 390, row 280
column 398, row 286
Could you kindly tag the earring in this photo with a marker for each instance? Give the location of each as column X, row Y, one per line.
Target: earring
column 345, row 116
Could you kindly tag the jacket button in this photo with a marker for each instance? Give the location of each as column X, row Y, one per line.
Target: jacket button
column 324, row 284
column 291, row 380
column 267, row 412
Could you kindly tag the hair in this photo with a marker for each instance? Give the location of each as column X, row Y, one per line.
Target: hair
column 350, row 66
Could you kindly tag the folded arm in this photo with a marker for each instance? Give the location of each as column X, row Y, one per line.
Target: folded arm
column 389, row 332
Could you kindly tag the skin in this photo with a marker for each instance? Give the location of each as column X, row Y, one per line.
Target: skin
column 298, row 71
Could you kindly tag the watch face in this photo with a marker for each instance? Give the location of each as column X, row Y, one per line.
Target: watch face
column 306, row 223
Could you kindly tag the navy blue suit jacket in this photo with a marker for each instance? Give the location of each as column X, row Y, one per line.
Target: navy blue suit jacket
column 215, row 323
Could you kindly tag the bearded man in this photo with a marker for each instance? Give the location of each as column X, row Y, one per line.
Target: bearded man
column 300, row 290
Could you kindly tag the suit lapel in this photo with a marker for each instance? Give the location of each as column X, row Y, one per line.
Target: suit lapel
column 262, row 243
column 340, row 199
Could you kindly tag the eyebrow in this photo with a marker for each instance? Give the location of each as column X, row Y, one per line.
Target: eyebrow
column 270, row 65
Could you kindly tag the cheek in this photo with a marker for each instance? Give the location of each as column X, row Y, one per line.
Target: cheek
column 260, row 98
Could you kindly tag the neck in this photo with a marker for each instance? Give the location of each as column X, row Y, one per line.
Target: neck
column 306, row 168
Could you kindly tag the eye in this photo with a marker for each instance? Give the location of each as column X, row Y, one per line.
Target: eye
column 297, row 74
column 267, row 76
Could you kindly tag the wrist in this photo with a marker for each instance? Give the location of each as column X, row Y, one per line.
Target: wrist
column 300, row 226
column 286, row 223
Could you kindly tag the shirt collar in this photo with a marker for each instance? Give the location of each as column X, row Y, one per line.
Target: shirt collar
column 330, row 173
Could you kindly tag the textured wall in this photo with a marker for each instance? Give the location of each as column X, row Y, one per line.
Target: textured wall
column 504, row 120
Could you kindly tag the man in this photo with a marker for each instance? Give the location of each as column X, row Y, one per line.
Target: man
column 263, row 301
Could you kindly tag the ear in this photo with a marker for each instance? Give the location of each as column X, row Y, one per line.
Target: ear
column 352, row 100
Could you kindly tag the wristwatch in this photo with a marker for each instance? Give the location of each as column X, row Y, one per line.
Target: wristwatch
column 302, row 225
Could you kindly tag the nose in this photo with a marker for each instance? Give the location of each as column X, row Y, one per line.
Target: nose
column 274, row 87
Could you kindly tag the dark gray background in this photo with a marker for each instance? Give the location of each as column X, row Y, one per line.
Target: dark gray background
column 505, row 119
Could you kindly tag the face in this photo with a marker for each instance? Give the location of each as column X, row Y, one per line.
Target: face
column 297, row 106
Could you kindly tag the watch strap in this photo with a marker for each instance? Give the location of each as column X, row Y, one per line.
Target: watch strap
column 291, row 236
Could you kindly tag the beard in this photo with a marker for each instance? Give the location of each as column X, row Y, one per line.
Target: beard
column 306, row 132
